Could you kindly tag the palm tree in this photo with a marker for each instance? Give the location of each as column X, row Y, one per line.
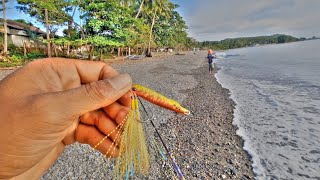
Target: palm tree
column 157, row 8
column 133, row 3
column 140, row 8
column 48, row 32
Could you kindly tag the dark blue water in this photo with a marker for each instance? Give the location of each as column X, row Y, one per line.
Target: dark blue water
column 277, row 92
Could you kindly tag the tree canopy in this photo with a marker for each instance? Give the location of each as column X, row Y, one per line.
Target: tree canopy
column 247, row 41
column 115, row 26
column 136, row 24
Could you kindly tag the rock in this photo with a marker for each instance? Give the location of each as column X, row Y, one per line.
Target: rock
column 229, row 161
column 233, row 171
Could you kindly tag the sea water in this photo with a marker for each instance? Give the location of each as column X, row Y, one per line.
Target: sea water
column 277, row 92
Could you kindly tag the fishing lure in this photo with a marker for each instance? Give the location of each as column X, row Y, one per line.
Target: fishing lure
column 158, row 99
column 133, row 152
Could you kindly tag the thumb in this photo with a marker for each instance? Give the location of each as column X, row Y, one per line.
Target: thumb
column 88, row 97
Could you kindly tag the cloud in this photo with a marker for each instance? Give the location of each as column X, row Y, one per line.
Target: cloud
column 216, row 20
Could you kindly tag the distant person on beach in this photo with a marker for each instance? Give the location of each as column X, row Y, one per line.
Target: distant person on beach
column 51, row 103
column 210, row 60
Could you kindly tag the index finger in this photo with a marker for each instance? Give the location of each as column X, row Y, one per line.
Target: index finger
column 87, row 72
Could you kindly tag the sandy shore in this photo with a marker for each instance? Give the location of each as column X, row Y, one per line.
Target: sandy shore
column 204, row 143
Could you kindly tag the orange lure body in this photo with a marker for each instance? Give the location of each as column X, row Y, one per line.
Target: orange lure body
column 158, row 99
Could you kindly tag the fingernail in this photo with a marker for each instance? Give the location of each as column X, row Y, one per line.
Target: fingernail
column 120, row 81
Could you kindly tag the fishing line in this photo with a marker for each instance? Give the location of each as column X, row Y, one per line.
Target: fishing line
column 175, row 165
column 149, row 118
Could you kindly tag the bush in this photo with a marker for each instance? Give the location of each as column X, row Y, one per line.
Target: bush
column 35, row 55
column 14, row 49
column 12, row 60
column 16, row 58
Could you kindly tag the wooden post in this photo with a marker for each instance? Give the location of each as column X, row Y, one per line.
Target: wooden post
column 55, row 50
column 5, row 43
column 100, row 57
column 91, row 53
column 150, row 35
column 24, row 49
column 48, row 34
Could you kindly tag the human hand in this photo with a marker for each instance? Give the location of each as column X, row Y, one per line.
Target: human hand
column 40, row 105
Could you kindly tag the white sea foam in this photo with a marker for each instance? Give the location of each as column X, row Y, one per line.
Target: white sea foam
column 278, row 107
column 258, row 170
column 220, row 54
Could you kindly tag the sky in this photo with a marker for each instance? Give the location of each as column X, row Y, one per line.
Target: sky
column 220, row 19
column 211, row 20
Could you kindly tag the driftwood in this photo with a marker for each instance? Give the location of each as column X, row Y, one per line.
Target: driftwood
column 135, row 57
column 9, row 68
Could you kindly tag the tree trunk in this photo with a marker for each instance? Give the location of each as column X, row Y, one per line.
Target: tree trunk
column 70, row 22
column 100, row 57
column 55, row 50
column 82, row 33
column 140, row 9
column 91, row 53
column 68, row 49
column 36, row 46
column 150, row 35
column 48, row 34
column 24, row 49
column 5, row 43
column 129, row 51
column 119, row 51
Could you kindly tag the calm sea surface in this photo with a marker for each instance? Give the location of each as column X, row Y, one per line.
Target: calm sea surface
column 277, row 92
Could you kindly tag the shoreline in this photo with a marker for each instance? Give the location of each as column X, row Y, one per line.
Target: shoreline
column 230, row 160
column 236, row 125
column 205, row 143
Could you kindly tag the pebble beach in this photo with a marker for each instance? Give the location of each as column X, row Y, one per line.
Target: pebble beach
column 204, row 143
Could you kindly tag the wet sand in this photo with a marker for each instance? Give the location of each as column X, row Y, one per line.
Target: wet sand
column 204, row 143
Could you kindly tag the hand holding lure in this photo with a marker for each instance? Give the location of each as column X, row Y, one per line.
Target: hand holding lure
column 133, row 153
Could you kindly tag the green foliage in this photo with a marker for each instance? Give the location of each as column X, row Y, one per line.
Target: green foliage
column 16, row 57
column 35, row 55
column 13, row 59
column 112, row 24
column 102, row 41
column 35, row 8
column 74, row 33
column 108, row 23
column 62, row 41
column 13, row 49
column 140, row 35
column 247, row 41
column 24, row 22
